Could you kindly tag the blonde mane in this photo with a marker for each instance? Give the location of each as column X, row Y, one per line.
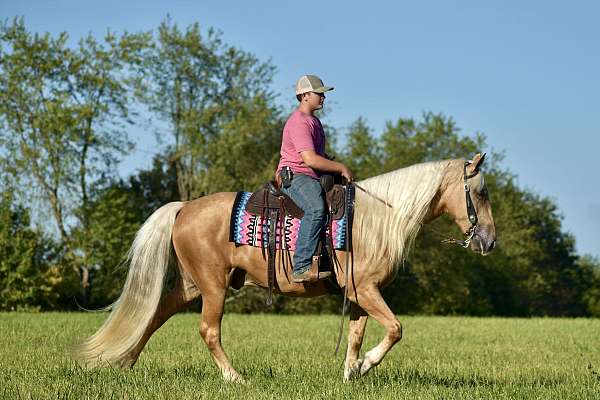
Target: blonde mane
column 385, row 234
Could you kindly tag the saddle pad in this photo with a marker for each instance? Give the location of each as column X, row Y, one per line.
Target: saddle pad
column 246, row 228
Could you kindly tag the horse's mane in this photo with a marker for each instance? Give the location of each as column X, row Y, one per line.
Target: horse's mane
column 385, row 234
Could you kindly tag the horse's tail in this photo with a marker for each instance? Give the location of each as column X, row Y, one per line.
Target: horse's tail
column 149, row 257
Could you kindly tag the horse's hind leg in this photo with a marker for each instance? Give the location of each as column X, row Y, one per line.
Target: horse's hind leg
column 200, row 238
column 210, row 330
column 180, row 297
column 212, row 281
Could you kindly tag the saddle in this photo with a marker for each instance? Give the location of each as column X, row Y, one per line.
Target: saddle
column 269, row 197
column 272, row 205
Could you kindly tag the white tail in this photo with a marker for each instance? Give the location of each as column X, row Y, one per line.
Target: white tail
column 149, row 257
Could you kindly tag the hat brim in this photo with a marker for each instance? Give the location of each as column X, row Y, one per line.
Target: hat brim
column 322, row 89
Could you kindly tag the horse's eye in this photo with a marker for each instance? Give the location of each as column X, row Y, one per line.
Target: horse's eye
column 483, row 193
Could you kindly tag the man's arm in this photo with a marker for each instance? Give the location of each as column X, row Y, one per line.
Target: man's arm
column 315, row 161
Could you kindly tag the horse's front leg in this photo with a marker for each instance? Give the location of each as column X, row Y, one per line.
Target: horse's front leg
column 372, row 302
column 356, row 332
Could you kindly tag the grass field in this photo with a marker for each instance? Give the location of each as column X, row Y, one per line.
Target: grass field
column 291, row 357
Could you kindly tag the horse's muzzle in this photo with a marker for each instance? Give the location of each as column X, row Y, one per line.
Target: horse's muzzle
column 483, row 241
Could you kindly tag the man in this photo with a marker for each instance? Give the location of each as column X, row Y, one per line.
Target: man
column 302, row 162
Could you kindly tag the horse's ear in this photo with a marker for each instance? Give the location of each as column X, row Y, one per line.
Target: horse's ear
column 477, row 162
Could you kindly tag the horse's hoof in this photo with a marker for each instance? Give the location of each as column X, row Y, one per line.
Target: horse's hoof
column 233, row 377
column 365, row 367
column 353, row 371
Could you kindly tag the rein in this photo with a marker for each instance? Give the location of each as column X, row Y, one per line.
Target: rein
column 372, row 195
column 462, row 243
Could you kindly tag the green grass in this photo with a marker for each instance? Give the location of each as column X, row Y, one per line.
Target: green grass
column 291, row 357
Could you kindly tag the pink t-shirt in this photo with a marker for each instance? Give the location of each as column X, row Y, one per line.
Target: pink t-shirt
column 301, row 132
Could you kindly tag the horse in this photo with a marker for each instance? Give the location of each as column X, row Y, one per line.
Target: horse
column 192, row 239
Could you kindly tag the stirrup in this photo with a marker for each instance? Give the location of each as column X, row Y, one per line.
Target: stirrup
column 311, row 275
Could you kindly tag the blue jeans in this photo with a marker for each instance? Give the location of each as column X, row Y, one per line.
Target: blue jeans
column 308, row 195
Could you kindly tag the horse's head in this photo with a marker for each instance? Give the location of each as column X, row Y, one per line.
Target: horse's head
column 465, row 198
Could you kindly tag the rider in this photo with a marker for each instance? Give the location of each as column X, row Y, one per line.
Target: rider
column 303, row 158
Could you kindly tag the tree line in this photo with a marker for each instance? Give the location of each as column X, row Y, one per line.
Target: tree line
column 67, row 219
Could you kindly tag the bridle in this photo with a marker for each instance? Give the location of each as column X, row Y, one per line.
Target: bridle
column 471, row 212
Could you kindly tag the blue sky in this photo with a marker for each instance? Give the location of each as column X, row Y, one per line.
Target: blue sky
column 526, row 74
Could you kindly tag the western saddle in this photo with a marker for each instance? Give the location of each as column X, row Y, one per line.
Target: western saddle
column 272, row 205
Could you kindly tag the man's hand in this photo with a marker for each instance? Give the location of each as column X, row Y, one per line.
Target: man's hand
column 346, row 173
column 278, row 180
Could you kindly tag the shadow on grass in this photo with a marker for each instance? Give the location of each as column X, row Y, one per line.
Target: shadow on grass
column 428, row 378
column 418, row 377
column 154, row 370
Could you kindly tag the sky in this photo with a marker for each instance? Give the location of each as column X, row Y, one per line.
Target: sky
column 526, row 74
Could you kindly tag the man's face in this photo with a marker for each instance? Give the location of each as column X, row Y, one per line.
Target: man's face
column 315, row 100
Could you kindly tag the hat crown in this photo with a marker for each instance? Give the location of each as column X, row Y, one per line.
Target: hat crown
column 310, row 83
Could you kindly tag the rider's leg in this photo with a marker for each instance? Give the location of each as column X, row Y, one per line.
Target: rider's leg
column 307, row 193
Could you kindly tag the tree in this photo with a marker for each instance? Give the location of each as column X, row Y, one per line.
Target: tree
column 364, row 155
column 590, row 268
column 154, row 187
column 62, row 114
column 245, row 154
column 206, row 91
column 30, row 271
column 436, row 137
column 114, row 217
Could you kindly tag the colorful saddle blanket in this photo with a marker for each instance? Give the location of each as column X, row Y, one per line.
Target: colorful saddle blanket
column 246, row 228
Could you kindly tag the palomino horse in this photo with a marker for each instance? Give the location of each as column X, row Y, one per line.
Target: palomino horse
column 198, row 231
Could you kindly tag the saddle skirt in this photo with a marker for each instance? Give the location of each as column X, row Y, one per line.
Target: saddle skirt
column 253, row 230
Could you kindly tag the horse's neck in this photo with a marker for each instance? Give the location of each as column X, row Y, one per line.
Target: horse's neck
column 384, row 234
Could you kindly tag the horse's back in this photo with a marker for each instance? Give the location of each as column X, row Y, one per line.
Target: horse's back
column 202, row 225
column 217, row 204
